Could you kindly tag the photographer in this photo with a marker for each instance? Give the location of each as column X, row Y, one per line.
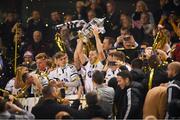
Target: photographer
column 129, row 47
column 115, row 63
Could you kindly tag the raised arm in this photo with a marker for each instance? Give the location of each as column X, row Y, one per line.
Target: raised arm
column 79, row 50
column 76, row 59
column 37, row 83
column 99, row 45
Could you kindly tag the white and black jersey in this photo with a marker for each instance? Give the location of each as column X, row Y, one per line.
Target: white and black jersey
column 42, row 76
column 11, row 88
column 89, row 69
column 111, row 73
column 68, row 75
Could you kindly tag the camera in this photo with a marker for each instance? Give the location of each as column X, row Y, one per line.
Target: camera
column 112, row 63
column 126, row 38
column 62, row 92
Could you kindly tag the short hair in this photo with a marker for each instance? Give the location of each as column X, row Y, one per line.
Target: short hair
column 111, row 2
column 92, row 11
column 91, row 98
column 145, row 43
column 98, row 77
column 55, row 11
column 127, row 30
column 63, row 115
column 41, row 56
column 35, row 10
column 120, row 55
column 125, row 74
column 176, row 66
column 50, row 63
column 59, row 55
column 93, row 49
column 154, row 61
column 47, row 90
column 110, row 39
column 137, row 63
column 37, row 31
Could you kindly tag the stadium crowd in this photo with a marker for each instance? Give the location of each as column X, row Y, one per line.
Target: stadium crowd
column 132, row 71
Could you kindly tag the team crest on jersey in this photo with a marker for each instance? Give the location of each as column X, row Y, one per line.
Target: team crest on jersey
column 65, row 80
column 90, row 74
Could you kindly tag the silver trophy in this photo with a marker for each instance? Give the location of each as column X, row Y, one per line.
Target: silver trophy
column 86, row 31
column 72, row 24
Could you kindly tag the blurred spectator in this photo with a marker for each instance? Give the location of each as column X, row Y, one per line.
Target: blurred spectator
column 8, row 110
column 165, row 40
column 37, row 45
column 90, row 15
column 146, row 28
column 137, row 72
column 130, row 48
column 6, row 33
column 55, row 17
column 102, row 4
column 6, row 70
column 141, row 7
column 35, row 23
column 68, row 42
column 93, row 110
column 119, row 40
column 166, row 8
column 126, row 23
column 176, row 53
column 145, row 22
column 157, row 74
column 97, row 9
column 55, row 20
column 112, row 23
column 68, row 18
column 80, row 12
column 28, row 61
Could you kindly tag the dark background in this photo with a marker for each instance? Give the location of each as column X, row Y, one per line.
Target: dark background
column 25, row 7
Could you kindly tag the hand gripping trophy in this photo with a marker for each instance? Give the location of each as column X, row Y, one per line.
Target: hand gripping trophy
column 86, row 31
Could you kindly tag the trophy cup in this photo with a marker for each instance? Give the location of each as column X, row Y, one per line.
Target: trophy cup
column 86, row 28
column 78, row 24
column 86, row 32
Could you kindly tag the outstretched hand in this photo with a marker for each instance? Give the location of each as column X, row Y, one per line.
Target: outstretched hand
column 96, row 31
